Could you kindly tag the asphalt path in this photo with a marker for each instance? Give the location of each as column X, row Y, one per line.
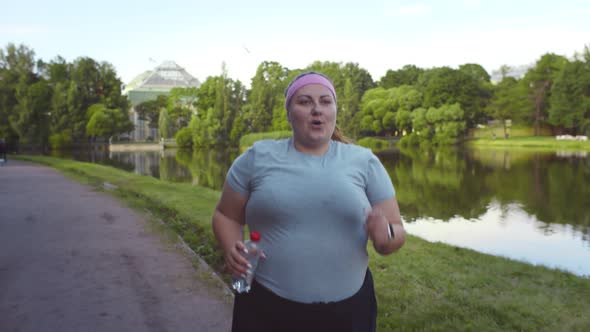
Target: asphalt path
column 75, row 259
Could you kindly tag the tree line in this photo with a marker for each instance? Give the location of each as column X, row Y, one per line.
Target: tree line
column 60, row 103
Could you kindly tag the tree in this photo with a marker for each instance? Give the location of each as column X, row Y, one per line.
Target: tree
column 31, row 117
column 220, row 102
column 266, row 98
column 407, row 75
column 106, row 122
column 150, row 110
column 507, row 102
column 539, row 80
column 468, row 86
column 181, row 104
column 439, row 126
column 91, row 83
column 109, row 87
column 17, row 68
column 381, row 109
column 164, row 124
column 570, row 96
column 476, row 72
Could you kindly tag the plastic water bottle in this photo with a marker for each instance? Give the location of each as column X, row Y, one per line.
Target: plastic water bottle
column 241, row 284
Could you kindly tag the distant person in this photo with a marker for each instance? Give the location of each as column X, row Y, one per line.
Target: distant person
column 3, row 149
column 315, row 200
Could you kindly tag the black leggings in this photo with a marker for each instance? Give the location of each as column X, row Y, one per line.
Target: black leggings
column 261, row 310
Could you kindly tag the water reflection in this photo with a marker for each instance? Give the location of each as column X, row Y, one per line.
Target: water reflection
column 207, row 168
column 529, row 206
column 161, row 164
column 508, row 231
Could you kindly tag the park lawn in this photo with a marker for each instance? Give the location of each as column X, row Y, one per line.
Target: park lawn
column 425, row 286
column 538, row 143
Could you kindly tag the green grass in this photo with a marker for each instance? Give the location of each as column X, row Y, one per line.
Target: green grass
column 548, row 143
column 247, row 140
column 514, row 131
column 426, row 286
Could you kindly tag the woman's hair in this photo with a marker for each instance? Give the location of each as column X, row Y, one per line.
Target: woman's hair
column 338, row 136
column 312, row 77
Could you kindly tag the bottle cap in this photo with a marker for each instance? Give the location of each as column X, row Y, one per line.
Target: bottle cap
column 255, row 236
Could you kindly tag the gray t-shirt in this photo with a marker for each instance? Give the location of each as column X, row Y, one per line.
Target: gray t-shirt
column 309, row 211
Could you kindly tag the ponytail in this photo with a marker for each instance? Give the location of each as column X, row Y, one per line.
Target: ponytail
column 338, row 136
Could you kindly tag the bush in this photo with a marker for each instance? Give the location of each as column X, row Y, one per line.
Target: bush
column 374, row 144
column 184, row 138
column 247, row 140
column 61, row 140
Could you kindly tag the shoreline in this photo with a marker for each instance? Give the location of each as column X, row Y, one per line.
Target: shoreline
column 419, row 287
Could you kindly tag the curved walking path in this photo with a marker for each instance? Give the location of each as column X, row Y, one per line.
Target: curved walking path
column 73, row 259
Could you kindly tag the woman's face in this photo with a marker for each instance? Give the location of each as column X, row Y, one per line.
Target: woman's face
column 312, row 114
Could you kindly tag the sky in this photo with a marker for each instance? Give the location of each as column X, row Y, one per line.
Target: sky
column 135, row 36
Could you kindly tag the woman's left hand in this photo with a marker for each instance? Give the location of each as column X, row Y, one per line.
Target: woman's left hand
column 379, row 218
column 377, row 225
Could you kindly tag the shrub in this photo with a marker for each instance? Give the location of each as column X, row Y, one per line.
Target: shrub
column 184, row 138
column 247, row 140
column 61, row 140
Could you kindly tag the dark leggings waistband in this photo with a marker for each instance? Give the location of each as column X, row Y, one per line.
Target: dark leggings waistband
column 263, row 310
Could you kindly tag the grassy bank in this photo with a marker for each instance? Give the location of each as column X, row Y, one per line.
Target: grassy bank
column 248, row 140
column 426, row 286
column 531, row 142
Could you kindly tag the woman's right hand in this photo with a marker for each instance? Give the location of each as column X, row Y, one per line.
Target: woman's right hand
column 235, row 259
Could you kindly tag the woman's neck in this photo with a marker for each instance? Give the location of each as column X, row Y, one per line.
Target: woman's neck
column 316, row 150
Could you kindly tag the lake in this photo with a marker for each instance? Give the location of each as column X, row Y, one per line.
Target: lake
column 528, row 206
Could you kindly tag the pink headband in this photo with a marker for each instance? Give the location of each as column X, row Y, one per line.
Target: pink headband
column 307, row 79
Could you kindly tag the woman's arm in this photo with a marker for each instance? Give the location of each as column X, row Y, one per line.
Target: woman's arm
column 382, row 214
column 228, row 222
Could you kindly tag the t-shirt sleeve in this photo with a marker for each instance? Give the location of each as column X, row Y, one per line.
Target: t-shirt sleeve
column 240, row 173
column 379, row 186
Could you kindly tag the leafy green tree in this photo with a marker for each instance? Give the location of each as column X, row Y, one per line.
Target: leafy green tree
column 206, row 96
column 100, row 124
column 107, row 122
column 540, row 80
column 150, row 110
column 467, row 87
column 164, row 124
column 58, row 70
column 181, row 104
column 476, row 72
column 438, row 126
column 349, row 106
column 266, row 111
column 91, row 83
column 17, row 69
column 507, row 102
column 570, row 96
column 375, row 104
column 31, row 117
column 220, row 103
column 387, row 112
column 184, row 138
column 407, row 75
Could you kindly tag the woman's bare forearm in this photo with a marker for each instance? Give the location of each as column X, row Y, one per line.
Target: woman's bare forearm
column 395, row 243
column 227, row 231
